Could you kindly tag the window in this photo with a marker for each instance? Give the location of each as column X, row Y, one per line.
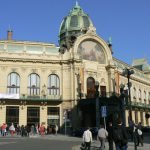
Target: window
column 53, row 111
column 33, row 84
column 74, row 21
column 134, row 93
column 13, row 83
column 140, row 95
column 90, row 87
column 103, row 91
column 86, row 21
column 53, row 85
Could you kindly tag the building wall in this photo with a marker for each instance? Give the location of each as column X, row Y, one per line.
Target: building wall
column 67, row 66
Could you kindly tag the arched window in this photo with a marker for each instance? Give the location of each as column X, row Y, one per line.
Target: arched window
column 34, row 84
column 53, row 85
column 13, row 83
column 90, row 87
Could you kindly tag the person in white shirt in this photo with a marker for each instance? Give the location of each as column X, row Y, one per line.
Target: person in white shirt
column 87, row 138
column 102, row 135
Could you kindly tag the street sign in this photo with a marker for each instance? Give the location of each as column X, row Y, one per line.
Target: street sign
column 103, row 111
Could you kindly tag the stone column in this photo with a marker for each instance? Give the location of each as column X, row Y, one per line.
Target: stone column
column 23, row 115
column 133, row 115
column 43, row 115
column 144, row 119
column 2, row 114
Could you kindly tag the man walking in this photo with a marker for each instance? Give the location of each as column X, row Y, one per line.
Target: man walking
column 120, row 137
column 102, row 135
column 110, row 136
column 87, row 138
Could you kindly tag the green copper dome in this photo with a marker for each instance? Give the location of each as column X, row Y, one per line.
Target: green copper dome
column 74, row 25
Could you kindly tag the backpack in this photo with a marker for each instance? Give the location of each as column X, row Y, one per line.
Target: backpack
column 118, row 135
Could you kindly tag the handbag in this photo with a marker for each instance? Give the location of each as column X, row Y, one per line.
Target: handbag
column 83, row 146
column 139, row 132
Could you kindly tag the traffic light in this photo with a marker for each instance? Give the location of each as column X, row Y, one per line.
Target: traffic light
column 147, row 116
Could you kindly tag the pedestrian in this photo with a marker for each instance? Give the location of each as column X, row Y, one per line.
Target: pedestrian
column 110, row 136
column 22, row 130
column 3, row 129
column 32, row 130
column 131, row 129
column 12, row 129
column 101, row 136
column 18, row 130
column 28, row 128
column 42, row 129
column 120, row 136
column 139, row 136
column 56, row 129
column 87, row 138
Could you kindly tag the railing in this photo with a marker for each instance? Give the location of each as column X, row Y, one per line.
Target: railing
column 140, row 105
column 39, row 97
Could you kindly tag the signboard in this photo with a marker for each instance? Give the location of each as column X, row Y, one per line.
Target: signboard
column 103, row 111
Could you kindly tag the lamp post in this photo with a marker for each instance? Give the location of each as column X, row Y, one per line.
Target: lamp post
column 97, row 104
column 128, row 72
column 122, row 105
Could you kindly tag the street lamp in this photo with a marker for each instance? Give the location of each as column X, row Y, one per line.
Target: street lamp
column 97, row 104
column 122, row 105
column 128, row 72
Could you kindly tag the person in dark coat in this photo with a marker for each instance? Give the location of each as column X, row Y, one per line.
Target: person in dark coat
column 120, row 136
column 110, row 135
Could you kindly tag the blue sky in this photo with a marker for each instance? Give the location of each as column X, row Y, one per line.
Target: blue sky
column 126, row 21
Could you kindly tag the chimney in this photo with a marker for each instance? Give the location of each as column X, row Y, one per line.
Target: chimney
column 9, row 34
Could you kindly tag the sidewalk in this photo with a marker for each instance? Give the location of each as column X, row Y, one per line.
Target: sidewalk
column 94, row 146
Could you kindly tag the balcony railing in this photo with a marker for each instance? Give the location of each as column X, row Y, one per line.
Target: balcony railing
column 140, row 105
column 39, row 97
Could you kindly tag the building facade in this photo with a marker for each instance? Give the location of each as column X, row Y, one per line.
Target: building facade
column 43, row 83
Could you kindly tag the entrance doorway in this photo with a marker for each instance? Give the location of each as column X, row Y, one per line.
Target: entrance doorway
column 33, row 116
column 12, row 115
